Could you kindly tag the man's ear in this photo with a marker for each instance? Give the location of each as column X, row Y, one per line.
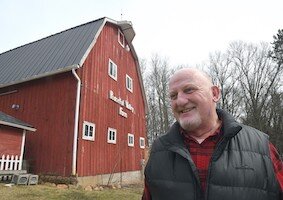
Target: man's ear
column 216, row 94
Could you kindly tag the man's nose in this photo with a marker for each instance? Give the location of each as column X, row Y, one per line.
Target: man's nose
column 181, row 99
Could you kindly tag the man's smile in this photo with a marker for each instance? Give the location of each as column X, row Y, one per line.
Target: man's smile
column 186, row 110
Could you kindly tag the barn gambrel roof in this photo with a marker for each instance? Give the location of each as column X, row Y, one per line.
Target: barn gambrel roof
column 57, row 53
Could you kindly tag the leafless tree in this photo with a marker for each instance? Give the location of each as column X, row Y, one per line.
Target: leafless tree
column 222, row 71
column 142, row 64
column 258, row 78
column 250, row 83
column 159, row 117
column 276, row 106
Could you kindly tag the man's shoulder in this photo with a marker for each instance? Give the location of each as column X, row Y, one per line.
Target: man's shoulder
column 161, row 142
column 170, row 138
column 252, row 139
column 253, row 131
column 157, row 145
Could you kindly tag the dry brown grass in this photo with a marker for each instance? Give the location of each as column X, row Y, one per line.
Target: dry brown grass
column 47, row 192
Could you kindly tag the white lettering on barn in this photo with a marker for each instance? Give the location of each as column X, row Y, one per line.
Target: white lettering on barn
column 122, row 113
column 121, row 102
column 116, row 99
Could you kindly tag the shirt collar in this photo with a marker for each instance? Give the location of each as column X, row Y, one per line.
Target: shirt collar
column 216, row 135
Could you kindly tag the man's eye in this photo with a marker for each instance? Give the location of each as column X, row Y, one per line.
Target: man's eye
column 173, row 96
column 188, row 90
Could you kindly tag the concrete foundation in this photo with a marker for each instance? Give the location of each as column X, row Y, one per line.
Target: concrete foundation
column 132, row 177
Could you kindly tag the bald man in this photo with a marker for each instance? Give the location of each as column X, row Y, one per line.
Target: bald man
column 206, row 154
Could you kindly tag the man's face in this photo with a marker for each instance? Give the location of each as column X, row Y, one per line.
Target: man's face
column 191, row 99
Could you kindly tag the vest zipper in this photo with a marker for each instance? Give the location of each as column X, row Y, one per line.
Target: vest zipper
column 209, row 166
column 186, row 154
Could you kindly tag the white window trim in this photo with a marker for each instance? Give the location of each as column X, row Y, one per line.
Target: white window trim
column 142, row 146
column 131, row 83
column 115, row 134
column 91, row 138
column 122, row 43
column 116, row 70
column 131, row 136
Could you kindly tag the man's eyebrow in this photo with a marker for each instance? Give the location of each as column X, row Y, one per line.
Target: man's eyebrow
column 190, row 85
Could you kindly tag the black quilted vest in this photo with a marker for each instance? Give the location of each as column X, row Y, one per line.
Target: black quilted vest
column 240, row 167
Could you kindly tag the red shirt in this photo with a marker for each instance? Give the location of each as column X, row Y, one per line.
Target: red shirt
column 201, row 154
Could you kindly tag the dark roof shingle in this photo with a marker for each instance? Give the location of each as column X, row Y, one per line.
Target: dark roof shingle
column 52, row 54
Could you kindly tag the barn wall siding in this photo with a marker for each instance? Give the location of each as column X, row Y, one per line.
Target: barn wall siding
column 99, row 157
column 10, row 140
column 48, row 104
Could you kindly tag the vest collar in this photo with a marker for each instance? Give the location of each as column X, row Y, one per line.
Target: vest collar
column 230, row 128
column 174, row 141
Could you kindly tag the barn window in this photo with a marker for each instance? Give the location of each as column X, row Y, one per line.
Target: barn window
column 88, row 131
column 121, row 38
column 112, row 135
column 130, row 140
column 112, row 70
column 142, row 143
column 129, row 83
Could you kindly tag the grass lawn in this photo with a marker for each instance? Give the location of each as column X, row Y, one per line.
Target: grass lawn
column 45, row 192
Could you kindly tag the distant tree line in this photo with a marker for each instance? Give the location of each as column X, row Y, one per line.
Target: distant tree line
column 156, row 74
column 250, row 77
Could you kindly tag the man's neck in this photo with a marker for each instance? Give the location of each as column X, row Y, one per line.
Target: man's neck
column 202, row 134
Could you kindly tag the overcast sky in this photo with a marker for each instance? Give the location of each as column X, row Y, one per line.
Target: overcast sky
column 184, row 31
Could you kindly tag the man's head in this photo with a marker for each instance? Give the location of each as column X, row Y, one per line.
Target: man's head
column 193, row 99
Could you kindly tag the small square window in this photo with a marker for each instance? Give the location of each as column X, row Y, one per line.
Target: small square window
column 121, row 38
column 88, row 131
column 111, row 135
column 129, row 83
column 112, row 70
column 131, row 140
column 142, row 143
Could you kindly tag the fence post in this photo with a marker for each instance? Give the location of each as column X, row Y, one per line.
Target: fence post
column 2, row 162
column 12, row 163
column 20, row 161
column 7, row 162
column 17, row 164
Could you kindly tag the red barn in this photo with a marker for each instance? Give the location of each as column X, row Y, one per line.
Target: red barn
column 12, row 141
column 82, row 89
